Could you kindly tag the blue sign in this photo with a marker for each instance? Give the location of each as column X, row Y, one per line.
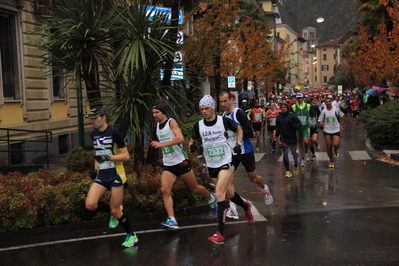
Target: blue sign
column 177, row 73
column 167, row 11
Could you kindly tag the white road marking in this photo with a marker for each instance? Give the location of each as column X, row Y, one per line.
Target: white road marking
column 258, row 218
column 258, row 156
column 359, row 155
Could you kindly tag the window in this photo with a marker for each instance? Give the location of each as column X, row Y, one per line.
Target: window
column 324, row 68
column 324, row 56
column 325, row 79
column 305, row 35
column 288, row 38
column 8, row 57
column 315, row 78
column 58, row 87
column 312, row 35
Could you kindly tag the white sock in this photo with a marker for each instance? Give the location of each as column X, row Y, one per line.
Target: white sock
column 173, row 218
column 233, row 205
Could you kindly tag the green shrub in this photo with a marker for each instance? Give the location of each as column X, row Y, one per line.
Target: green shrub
column 79, row 160
column 43, row 198
column 187, row 124
column 382, row 123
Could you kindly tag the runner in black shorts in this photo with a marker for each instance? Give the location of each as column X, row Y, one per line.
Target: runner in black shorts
column 109, row 173
column 176, row 163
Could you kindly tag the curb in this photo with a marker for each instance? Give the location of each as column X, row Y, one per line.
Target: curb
column 139, row 222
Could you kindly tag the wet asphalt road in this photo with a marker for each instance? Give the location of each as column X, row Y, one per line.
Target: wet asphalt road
column 349, row 216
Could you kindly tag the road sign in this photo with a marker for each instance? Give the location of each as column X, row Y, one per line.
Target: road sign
column 231, row 82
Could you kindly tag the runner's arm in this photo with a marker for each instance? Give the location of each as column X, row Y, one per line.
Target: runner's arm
column 245, row 124
column 176, row 140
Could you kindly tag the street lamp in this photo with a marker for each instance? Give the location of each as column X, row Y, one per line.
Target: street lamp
column 320, row 20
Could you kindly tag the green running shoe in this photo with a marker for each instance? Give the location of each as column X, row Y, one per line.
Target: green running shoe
column 113, row 222
column 130, row 240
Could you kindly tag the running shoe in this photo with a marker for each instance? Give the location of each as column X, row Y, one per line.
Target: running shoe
column 130, row 240
column 214, row 206
column 288, row 174
column 336, row 153
column 296, row 169
column 169, row 224
column 216, row 238
column 307, row 156
column 248, row 213
column 317, row 146
column 273, row 150
column 257, row 148
column 232, row 214
column 113, row 222
column 313, row 157
column 332, row 164
column 268, row 197
column 303, row 162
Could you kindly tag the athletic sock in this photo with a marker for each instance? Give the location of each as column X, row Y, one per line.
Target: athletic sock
column 312, row 149
column 222, row 210
column 125, row 223
column 103, row 207
column 239, row 201
column 274, row 144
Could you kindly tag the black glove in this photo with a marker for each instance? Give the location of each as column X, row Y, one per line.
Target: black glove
column 193, row 148
column 94, row 174
column 237, row 149
column 102, row 158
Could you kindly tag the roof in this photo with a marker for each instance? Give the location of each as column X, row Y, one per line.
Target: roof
column 332, row 42
column 287, row 17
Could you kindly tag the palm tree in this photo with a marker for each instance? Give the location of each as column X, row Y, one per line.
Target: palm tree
column 119, row 51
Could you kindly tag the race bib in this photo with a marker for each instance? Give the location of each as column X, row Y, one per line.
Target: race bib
column 168, row 151
column 215, row 152
column 106, row 164
column 302, row 118
column 312, row 121
column 258, row 116
column 272, row 121
column 331, row 119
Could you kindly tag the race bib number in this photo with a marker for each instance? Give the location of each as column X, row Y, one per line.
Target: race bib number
column 258, row 116
column 331, row 119
column 302, row 118
column 312, row 121
column 356, row 108
column 168, row 151
column 106, row 164
column 216, row 152
column 272, row 121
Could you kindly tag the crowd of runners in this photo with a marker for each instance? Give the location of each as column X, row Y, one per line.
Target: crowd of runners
column 291, row 123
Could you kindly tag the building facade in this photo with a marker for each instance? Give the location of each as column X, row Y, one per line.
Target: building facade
column 30, row 99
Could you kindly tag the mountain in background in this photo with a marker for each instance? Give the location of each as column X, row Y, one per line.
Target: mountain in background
column 340, row 16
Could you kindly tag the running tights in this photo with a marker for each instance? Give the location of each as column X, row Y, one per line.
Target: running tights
column 292, row 147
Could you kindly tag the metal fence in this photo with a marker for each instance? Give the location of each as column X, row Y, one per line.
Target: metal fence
column 17, row 143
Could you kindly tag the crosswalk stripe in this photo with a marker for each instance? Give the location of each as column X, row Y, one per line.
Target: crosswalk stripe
column 359, row 155
column 258, row 156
